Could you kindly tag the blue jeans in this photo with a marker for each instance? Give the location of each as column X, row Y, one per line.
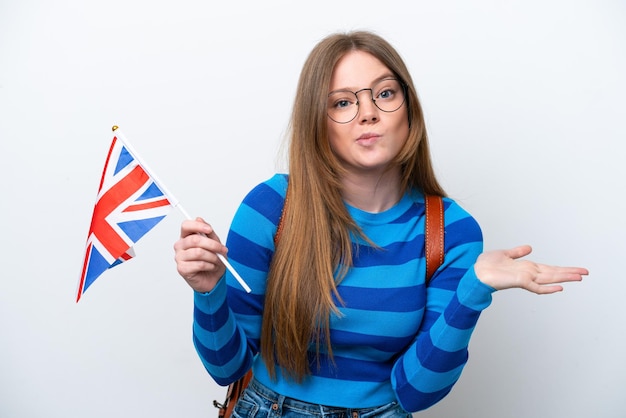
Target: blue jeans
column 260, row 401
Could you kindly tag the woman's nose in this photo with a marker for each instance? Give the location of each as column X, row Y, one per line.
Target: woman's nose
column 367, row 108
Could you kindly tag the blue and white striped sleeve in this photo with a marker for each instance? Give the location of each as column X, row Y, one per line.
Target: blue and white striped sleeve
column 227, row 320
column 433, row 363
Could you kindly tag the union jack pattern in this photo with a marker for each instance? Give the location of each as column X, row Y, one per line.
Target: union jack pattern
column 129, row 204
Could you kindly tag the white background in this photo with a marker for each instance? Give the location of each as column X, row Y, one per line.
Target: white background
column 525, row 105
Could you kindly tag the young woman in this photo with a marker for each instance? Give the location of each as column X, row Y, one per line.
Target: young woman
column 340, row 320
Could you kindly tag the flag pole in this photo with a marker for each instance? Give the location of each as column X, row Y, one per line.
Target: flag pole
column 174, row 201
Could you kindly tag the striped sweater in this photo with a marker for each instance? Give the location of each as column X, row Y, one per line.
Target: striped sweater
column 395, row 338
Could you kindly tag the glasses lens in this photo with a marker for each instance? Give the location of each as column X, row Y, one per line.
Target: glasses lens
column 343, row 105
column 388, row 95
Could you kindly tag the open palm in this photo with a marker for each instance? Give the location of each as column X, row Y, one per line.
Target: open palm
column 504, row 269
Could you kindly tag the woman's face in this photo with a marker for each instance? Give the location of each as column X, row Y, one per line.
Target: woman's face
column 370, row 141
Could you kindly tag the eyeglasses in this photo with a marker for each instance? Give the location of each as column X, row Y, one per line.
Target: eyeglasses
column 343, row 105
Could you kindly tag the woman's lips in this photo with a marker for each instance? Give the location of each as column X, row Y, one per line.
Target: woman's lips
column 368, row 139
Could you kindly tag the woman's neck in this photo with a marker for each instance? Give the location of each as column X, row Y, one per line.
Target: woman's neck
column 372, row 193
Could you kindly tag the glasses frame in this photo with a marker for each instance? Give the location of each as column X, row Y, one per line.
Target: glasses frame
column 371, row 90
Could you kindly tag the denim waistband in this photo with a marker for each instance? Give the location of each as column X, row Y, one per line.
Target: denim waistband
column 280, row 402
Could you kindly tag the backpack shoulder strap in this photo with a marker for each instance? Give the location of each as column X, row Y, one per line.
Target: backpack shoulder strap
column 433, row 234
column 279, row 229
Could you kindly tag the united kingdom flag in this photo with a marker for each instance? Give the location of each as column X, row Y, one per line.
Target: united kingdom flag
column 129, row 204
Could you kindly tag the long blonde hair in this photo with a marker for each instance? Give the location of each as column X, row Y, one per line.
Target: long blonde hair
column 315, row 248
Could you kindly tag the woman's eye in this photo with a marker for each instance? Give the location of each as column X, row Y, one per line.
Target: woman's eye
column 385, row 94
column 343, row 103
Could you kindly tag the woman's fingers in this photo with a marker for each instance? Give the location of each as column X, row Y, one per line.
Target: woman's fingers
column 196, row 255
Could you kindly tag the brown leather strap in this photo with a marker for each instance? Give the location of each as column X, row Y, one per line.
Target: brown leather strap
column 235, row 390
column 434, row 234
column 279, row 229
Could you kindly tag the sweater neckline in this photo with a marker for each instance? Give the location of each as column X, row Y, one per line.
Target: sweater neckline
column 377, row 218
